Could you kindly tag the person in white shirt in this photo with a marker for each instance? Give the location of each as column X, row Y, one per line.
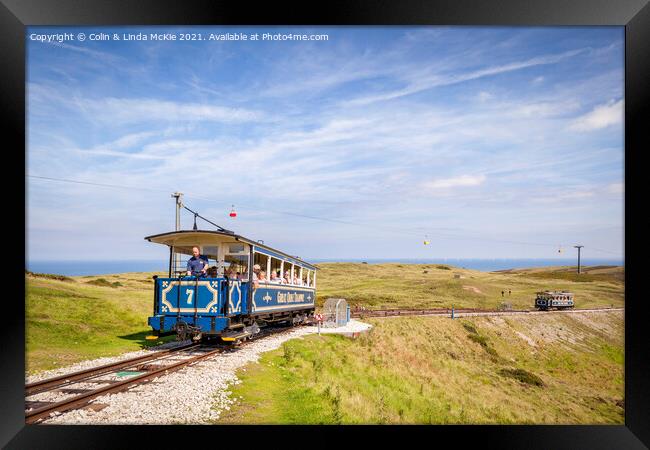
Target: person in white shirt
column 275, row 278
column 256, row 272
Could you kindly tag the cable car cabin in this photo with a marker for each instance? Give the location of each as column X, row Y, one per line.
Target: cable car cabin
column 227, row 303
column 554, row 299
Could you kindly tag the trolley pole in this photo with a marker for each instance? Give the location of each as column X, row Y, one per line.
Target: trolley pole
column 178, row 196
column 578, row 247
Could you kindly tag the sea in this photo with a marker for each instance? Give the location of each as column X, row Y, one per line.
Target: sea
column 81, row 268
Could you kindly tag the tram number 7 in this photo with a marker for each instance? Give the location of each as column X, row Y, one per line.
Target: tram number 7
column 189, row 293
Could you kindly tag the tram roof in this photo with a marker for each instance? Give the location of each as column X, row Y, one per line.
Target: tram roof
column 201, row 236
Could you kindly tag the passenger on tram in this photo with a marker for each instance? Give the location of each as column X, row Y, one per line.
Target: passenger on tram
column 256, row 275
column 287, row 277
column 275, row 278
column 261, row 277
column 256, row 271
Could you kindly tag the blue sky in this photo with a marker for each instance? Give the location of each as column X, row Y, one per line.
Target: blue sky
column 493, row 142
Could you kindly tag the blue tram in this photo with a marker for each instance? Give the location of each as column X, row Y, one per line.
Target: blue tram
column 231, row 302
column 554, row 299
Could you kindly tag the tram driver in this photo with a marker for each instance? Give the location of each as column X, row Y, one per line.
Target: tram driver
column 197, row 265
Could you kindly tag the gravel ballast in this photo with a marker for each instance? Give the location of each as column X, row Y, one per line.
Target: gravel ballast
column 193, row 395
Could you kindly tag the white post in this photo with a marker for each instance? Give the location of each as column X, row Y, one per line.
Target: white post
column 300, row 275
column 268, row 268
column 281, row 269
column 292, row 272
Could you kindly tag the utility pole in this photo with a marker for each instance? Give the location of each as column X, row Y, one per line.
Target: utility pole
column 578, row 247
column 178, row 196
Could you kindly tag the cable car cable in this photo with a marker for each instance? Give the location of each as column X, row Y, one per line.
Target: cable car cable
column 324, row 219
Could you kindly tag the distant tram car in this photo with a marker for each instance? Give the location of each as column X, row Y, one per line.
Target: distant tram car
column 554, row 299
column 228, row 304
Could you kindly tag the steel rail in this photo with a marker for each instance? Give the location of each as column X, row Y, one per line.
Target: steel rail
column 464, row 311
column 50, row 383
column 83, row 399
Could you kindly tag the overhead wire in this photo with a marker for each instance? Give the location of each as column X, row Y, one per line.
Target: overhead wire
column 318, row 218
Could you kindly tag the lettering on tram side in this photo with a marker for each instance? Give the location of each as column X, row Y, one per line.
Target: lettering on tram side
column 290, row 297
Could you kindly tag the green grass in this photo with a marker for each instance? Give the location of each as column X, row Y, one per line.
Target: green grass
column 386, row 286
column 436, row 370
column 68, row 320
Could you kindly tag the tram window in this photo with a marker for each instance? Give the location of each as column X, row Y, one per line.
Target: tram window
column 240, row 263
column 212, row 253
column 276, row 266
column 179, row 259
column 296, row 275
column 235, row 248
column 262, row 260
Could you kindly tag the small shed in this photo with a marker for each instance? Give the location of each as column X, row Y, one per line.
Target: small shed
column 336, row 312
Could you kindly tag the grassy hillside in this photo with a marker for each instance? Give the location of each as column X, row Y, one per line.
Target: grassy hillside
column 554, row 369
column 69, row 319
column 378, row 286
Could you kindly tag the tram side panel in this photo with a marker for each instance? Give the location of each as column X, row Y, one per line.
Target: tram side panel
column 545, row 303
column 199, row 303
column 278, row 299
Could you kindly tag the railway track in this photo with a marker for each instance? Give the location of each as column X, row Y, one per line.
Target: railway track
column 78, row 389
column 464, row 312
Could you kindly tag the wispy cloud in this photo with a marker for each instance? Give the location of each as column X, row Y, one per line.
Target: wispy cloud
column 104, row 56
column 146, row 110
column 437, row 79
column 460, row 181
column 601, row 116
column 616, row 188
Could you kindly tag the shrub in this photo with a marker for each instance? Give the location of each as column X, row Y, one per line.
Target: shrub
column 469, row 327
column 481, row 340
column 50, row 276
column 104, row 283
column 289, row 353
column 523, row 376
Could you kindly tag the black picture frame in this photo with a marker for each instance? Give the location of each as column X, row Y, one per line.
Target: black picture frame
column 15, row 15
